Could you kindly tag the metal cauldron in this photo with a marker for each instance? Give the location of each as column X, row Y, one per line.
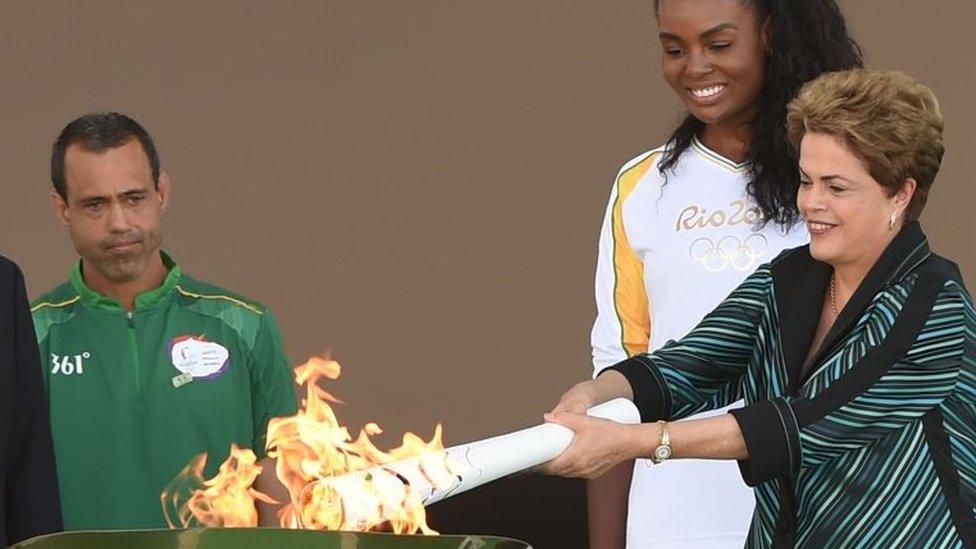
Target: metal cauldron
column 259, row 538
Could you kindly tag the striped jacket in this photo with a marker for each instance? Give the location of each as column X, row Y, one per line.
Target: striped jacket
column 875, row 444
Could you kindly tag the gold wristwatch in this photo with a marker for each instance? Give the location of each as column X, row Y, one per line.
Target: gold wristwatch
column 663, row 451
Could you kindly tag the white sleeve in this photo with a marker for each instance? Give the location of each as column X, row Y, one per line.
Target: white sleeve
column 622, row 326
column 605, row 338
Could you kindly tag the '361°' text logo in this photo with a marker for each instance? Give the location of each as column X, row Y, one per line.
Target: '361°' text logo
column 69, row 364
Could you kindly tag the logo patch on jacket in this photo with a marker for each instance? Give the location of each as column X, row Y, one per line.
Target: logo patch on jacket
column 69, row 364
column 197, row 358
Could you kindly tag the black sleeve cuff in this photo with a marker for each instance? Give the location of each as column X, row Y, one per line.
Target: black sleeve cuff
column 772, row 438
column 651, row 394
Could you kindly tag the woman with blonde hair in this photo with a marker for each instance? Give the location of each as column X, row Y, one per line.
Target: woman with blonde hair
column 855, row 355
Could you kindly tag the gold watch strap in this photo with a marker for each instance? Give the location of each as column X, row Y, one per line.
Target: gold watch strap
column 663, row 450
column 665, row 435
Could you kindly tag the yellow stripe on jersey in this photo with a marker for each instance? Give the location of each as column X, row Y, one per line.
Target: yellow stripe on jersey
column 629, row 294
column 64, row 303
column 223, row 297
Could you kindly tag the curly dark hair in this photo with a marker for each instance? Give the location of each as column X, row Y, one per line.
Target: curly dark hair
column 809, row 38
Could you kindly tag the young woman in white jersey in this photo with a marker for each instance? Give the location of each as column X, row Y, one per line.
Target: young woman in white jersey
column 687, row 222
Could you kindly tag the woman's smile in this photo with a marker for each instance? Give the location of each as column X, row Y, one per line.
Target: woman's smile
column 707, row 95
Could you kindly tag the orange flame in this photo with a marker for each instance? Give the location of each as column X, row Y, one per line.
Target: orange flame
column 308, row 447
column 225, row 500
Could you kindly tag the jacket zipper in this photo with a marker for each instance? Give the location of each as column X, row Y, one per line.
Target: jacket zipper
column 131, row 321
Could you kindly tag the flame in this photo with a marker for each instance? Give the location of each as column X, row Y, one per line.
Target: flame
column 225, row 500
column 333, row 481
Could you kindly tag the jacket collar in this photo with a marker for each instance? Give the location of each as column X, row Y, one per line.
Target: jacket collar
column 143, row 300
column 801, row 286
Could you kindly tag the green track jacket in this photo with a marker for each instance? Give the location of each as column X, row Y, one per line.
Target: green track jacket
column 135, row 395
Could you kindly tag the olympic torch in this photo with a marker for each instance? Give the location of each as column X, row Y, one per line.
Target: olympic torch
column 362, row 499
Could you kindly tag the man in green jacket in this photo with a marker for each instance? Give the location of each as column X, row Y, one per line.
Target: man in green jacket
column 145, row 367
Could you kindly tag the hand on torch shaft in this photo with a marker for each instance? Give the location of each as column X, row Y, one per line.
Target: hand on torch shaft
column 592, row 392
column 598, row 445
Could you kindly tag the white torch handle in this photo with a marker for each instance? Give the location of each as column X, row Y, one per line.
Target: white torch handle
column 438, row 475
column 489, row 459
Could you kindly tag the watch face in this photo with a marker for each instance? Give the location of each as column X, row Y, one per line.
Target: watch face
column 662, row 452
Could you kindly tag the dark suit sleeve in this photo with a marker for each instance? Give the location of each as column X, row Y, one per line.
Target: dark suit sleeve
column 32, row 500
column 703, row 370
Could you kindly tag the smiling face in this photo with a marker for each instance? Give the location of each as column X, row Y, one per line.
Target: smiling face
column 846, row 210
column 713, row 56
column 113, row 211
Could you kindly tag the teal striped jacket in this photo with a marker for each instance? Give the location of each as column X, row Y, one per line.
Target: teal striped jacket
column 874, row 445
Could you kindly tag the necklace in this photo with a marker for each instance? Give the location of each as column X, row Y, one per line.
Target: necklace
column 833, row 299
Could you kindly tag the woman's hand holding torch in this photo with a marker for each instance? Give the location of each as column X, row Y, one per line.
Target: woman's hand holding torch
column 598, row 444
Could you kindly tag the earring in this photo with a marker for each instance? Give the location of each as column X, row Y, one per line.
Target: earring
column 891, row 221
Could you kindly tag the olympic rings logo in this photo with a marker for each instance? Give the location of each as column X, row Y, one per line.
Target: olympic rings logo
column 741, row 255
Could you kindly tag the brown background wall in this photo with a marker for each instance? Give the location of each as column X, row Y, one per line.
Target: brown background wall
column 416, row 185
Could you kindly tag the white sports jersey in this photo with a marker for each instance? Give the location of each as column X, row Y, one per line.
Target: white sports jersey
column 669, row 253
